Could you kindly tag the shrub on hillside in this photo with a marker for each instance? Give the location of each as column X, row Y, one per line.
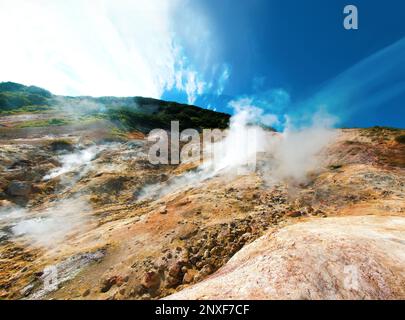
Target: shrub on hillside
column 400, row 139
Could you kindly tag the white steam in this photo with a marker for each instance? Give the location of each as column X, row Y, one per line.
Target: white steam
column 79, row 106
column 298, row 152
column 51, row 226
column 251, row 146
column 48, row 227
column 79, row 161
column 286, row 156
column 245, row 138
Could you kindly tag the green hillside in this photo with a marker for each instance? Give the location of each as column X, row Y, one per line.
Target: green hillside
column 127, row 112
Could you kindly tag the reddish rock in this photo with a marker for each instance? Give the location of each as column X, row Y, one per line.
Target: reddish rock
column 295, row 214
column 151, row 280
column 362, row 254
column 108, row 283
column 188, row 277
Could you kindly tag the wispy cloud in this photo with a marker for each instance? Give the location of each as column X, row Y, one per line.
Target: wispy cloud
column 106, row 47
column 269, row 106
column 222, row 80
column 371, row 83
column 253, row 114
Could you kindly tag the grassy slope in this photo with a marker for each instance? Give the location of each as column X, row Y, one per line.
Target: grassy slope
column 128, row 113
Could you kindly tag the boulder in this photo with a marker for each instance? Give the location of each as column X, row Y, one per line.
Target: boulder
column 187, row 231
column 19, row 188
column 175, row 270
column 355, row 257
column 295, row 214
column 162, row 210
column 188, row 277
column 5, row 204
column 151, row 280
column 108, row 283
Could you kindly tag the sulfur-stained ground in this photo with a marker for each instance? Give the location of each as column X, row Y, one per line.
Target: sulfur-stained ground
column 126, row 245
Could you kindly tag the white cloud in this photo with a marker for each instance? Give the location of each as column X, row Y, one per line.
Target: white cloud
column 245, row 107
column 193, row 86
column 101, row 47
column 222, row 80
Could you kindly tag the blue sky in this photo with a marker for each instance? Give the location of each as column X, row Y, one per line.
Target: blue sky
column 288, row 57
column 299, row 47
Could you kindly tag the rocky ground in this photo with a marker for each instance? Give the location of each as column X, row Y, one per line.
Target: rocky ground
column 359, row 257
column 78, row 202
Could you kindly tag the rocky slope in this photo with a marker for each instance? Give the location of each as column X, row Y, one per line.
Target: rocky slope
column 359, row 257
column 94, row 212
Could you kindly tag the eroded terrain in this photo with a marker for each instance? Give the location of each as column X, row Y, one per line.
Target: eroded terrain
column 114, row 226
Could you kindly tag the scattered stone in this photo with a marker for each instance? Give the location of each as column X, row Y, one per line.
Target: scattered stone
column 26, row 291
column 187, row 231
column 175, row 270
column 39, row 274
column 108, row 283
column 193, row 259
column 172, row 282
column 162, row 210
column 215, row 251
column 146, row 296
column 184, row 202
column 295, row 214
column 188, row 277
column 137, row 290
column 206, row 270
column 151, row 280
column 245, row 237
column 161, row 264
column 19, row 188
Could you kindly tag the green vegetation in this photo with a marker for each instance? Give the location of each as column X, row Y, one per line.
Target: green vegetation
column 188, row 117
column 44, row 123
column 15, row 96
column 127, row 113
column 24, row 109
column 151, row 113
column 380, row 133
column 61, row 145
column 19, row 88
column 116, row 135
column 378, row 129
column 400, row 139
column 335, row 166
